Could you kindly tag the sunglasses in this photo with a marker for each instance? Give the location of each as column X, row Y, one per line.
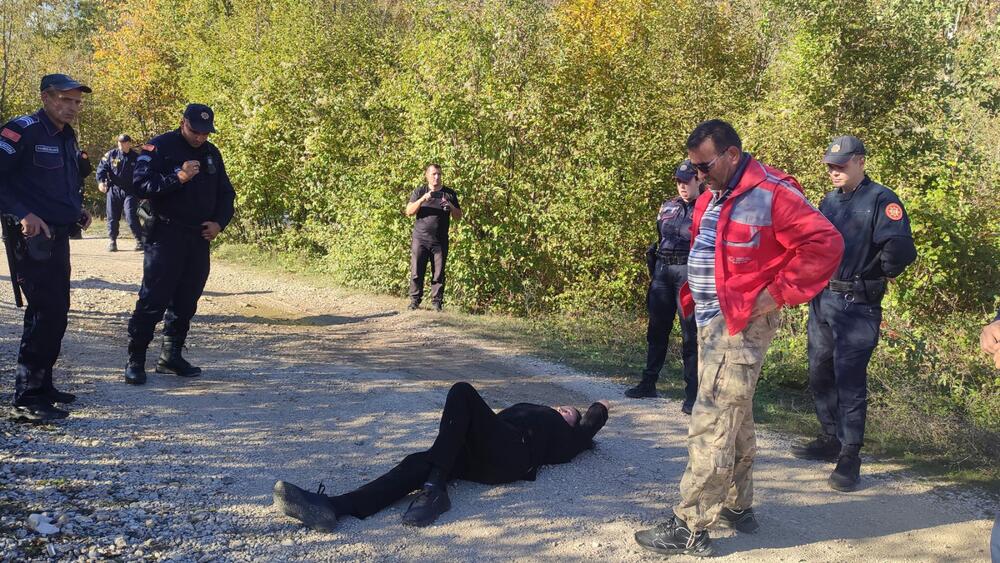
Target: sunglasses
column 704, row 167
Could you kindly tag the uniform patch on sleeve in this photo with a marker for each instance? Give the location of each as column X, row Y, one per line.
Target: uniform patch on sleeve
column 894, row 211
column 10, row 134
column 26, row 121
column 149, row 147
column 144, row 158
column 5, row 147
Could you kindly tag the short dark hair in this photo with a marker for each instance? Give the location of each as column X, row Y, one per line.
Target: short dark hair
column 432, row 165
column 722, row 134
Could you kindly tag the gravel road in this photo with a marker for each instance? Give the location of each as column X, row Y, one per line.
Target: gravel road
column 308, row 384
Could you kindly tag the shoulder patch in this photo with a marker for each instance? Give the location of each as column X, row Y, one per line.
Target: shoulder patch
column 26, row 120
column 149, row 147
column 14, row 136
column 894, row 211
column 5, row 147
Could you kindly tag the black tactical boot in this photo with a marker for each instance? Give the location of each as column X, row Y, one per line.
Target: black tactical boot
column 53, row 395
column 430, row 503
column 113, row 246
column 38, row 413
column 823, row 448
column 645, row 389
column 312, row 509
column 673, row 537
column 847, row 474
column 138, row 245
column 171, row 360
column 437, row 307
column 135, row 369
column 414, row 305
column 739, row 520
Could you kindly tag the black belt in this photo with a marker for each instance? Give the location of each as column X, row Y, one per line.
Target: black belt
column 860, row 291
column 175, row 223
column 672, row 259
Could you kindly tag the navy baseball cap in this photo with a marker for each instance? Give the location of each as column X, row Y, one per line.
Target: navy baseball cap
column 685, row 172
column 123, row 138
column 841, row 150
column 62, row 83
column 201, row 118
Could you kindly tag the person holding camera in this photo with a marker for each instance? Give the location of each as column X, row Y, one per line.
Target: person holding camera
column 434, row 205
column 41, row 169
column 844, row 319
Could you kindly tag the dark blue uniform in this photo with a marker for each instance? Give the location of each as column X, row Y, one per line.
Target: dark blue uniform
column 430, row 242
column 176, row 262
column 116, row 170
column 844, row 319
column 669, row 273
column 40, row 173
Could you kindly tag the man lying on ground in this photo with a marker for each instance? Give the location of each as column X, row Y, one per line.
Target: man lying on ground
column 473, row 443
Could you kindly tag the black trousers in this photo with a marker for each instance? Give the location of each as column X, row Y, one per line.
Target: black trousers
column 45, row 284
column 175, row 268
column 117, row 202
column 473, row 443
column 423, row 251
column 662, row 304
column 842, row 337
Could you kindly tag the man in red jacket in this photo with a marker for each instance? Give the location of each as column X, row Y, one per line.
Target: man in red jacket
column 757, row 245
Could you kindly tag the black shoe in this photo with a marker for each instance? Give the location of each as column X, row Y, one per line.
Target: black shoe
column 847, row 474
column 430, row 503
column 413, row 306
column 113, row 246
column 686, row 408
column 673, row 537
column 55, row 396
column 437, row 307
column 646, row 389
column 138, row 245
column 135, row 373
column 38, row 413
column 312, row 509
column 171, row 360
column 739, row 520
column 823, row 448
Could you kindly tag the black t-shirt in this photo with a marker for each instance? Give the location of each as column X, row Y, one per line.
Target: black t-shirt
column 432, row 219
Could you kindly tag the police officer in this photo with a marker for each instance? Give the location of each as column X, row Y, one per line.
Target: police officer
column 844, row 318
column 434, row 205
column 40, row 175
column 114, row 178
column 191, row 197
column 667, row 261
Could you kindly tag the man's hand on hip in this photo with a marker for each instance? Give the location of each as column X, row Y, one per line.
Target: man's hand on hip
column 764, row 304
column 210, row 230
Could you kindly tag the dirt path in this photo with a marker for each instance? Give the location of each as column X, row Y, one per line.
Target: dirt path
column 312, row 385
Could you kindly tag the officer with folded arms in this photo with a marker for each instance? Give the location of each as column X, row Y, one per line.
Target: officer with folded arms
column 114, row 178
column 844, row 319
column 40, row 177
column 191, row 198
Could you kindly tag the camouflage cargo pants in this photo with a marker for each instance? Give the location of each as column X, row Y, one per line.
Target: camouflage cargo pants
column 721, row 442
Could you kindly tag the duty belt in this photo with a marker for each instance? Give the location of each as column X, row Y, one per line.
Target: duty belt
column 672, row 258
column 175, row 223
column 860, row 291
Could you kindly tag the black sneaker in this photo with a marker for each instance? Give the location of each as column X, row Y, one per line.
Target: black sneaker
column 38, row 414
column 430, row 503
column 312, row 509
column 113, row 246
column 673, row 537
column 847, row 474
column 686, row 408
column 413, row 306
column 644, row 390
column 56, row 396
column 823, row 448
column 139, row 246
column 739, row 520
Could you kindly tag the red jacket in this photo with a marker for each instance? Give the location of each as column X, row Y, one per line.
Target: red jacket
column 769, row 236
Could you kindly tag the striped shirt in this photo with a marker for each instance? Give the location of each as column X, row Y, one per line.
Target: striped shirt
column 701, row 259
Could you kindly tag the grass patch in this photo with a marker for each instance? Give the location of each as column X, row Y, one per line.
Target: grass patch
column 613, row 345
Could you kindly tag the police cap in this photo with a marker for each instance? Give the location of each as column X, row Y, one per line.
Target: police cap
column 200, row 117
column 62, row 83
column 842, row 149
column 685, row 172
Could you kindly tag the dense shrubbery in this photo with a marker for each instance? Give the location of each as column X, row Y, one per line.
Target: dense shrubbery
column 558, row 122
